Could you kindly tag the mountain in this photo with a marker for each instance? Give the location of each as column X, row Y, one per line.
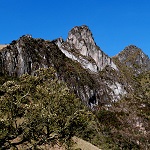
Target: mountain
column 80, row 46
column 40, row 77
column 83, row 72
column 134, row 58
column 87, row 70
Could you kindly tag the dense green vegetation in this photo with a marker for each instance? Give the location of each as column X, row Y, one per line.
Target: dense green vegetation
column 40, row 109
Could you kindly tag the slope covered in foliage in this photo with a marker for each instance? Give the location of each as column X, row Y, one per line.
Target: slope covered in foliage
column 36, row 110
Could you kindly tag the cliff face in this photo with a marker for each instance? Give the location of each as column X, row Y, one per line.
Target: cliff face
column 89, row 72
column 80, row 42
column 25, row 56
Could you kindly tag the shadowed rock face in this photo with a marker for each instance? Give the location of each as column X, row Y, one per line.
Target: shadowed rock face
column 24, row 56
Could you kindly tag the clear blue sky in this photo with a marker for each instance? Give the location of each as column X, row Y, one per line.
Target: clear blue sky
column 114, row 23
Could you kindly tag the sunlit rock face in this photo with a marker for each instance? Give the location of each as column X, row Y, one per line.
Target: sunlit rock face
column 81, row 42
column 81, row 47
column 86, row 62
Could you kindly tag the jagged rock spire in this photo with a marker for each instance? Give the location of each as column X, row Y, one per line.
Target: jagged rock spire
column 80, row 37
column 81, row 41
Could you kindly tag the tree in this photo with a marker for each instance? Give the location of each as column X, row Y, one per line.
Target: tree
column 49, row 112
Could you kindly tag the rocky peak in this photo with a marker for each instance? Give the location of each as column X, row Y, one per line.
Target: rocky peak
column 81, row 42
column 26, row 55
column 134, row 58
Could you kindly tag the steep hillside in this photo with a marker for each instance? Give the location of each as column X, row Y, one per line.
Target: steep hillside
column 40, row 110
column 51, row 91
column 133, row 115
column 82, row 72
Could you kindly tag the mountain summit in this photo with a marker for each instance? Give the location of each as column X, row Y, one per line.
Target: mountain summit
column 80, row 42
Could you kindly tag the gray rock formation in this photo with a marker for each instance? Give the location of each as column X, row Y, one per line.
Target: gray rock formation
column 80, row 46
column 78, row 61
column 27, row 54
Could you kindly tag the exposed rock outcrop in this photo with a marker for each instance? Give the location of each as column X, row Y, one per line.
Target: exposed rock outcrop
column 23, row 56
column 80, row 46
column 27, row 54
column 78, row 61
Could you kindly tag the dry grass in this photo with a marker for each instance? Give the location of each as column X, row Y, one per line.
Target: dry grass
column 83, row 145
column 56, row 147
column 2, row 46
column 78, row 144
